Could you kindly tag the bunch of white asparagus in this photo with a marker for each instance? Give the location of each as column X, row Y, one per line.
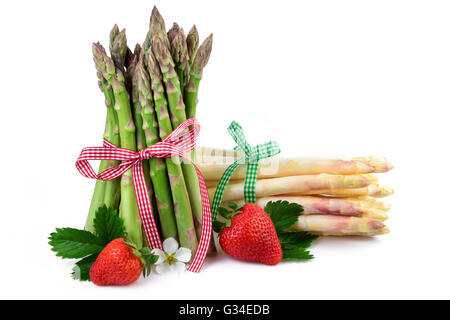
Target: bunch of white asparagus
column 339, row 196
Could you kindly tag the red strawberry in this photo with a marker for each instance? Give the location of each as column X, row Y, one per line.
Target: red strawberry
column 252, row 237
column 116, row 265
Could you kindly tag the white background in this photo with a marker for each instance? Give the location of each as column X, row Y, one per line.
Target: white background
column 324, row 78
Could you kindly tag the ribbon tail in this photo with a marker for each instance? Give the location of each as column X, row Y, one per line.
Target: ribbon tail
column 145, row 208
column 218, row 195
column 206, row 233
column 249, row 183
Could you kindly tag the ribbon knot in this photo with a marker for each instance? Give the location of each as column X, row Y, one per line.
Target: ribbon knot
column 143, row 154
column 178, row 143
column 253, row 154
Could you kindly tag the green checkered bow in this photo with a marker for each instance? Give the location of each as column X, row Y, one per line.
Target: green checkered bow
column 252, row 155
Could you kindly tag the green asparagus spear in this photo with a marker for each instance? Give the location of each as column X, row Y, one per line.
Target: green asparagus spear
column 179, row 52
column 105, row 191
column 196, row 71
column 157, row 25
column 140, row 137
column 97, row 198
column 118, row 47
column 178, row 115
column 173, row 31
column 131, row 66
column 112, row 189
column 148, row 131
column 183, row 211
column 192, row 41
column 128, row 205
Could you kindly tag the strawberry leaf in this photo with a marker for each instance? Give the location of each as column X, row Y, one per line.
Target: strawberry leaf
column 294, row 245
column 297, row 239
column 82, row 268
column 296, row 254
column 69, row 243
column 108, row 226
column 283, row 214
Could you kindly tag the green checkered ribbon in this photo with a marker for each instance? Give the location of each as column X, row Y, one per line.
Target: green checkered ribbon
column 252, row 155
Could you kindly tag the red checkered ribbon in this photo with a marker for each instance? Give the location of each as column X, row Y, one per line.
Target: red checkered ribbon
column 178, row 143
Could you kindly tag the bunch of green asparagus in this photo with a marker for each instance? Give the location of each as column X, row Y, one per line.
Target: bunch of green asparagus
column 339, row 196
column 149, row 92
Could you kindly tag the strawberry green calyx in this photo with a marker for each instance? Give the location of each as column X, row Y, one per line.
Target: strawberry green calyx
column 226, row 215
column 149, row 134
column 145, row 255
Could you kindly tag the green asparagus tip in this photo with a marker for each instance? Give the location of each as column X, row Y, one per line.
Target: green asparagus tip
column 203, row 54
column 173, row 31
column 192, row 41
column 179, row 51
column 155, row 73
column 99, row 54
column 119, row 49
column 156, row 21
column 113, row 34
column 137, row 49
column 162, row 54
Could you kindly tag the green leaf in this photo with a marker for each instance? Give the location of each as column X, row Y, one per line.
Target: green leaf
column 225, row 213
column 148, row 259
column 296, row 254
column 74, row 244
column 294, row 245
column 82, row 268
column 283, row 214
column 298, row 239
column 218, row 226
column 108, row 226
column 233, row 205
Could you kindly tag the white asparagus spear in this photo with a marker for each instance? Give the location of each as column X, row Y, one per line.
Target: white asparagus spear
column 214, row 183
column 369, row 202
column 337, row 224
column 306, row 184
column 380, row 232
column 213, row 168
column 319, row 205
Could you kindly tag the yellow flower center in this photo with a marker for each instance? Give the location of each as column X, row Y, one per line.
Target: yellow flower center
column 170, row 259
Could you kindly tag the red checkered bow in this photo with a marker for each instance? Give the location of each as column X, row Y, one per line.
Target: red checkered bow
column 178, row 143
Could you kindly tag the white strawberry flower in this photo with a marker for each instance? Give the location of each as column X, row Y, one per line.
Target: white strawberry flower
column 173, row 258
